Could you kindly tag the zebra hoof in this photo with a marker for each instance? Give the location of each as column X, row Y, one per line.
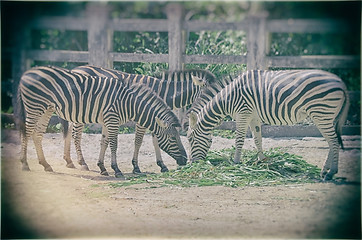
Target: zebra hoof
column 25, row 168
column 164, row 169
column 136, row 170
column 119, row 175
column 84, row 167
column 70, row 165
column 48, row 169
column 328, row 176
column 104, row 173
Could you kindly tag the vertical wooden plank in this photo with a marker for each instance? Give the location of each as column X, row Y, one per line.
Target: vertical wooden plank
column 256, row 42
column 175, row 43
column 99, row 42
column 20, row 62
column 175, row 40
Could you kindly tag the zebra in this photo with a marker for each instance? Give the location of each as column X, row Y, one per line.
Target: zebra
column 276, row 98
column 177, row 88
column 87, row 99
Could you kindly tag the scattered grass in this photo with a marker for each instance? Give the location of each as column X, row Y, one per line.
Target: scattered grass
column 218, row 169
column 229, row 134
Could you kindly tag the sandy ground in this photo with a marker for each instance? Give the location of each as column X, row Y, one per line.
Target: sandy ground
column 71, row 203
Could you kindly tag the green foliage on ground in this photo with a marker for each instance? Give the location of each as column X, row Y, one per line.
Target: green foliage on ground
column 218, row 169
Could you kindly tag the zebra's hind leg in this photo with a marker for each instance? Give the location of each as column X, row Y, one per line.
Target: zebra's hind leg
column 140, row 132
column 158, row 155
column 30, row 124
column 242, row 122
column 24, row 149
column 255, row 127
column 38, row 137
column 330, row 166
column 77, row 136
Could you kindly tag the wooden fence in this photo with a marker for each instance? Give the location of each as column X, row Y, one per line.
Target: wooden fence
column 100, row 29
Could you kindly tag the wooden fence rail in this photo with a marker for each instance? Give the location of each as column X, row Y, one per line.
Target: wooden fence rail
column 100, row 29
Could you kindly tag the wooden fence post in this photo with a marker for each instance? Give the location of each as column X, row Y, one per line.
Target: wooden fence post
column 175, row 40
column 256, row 42
column 99, row 36
column 175, row 44
column 20, row 61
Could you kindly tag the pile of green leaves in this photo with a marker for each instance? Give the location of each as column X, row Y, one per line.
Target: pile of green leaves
column 218, row 168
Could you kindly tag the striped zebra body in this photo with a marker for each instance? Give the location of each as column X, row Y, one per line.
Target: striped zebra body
column 276, row 98
column 177, row 89
column 83, row 99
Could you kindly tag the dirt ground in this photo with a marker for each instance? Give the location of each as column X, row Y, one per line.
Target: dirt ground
column 71, row 203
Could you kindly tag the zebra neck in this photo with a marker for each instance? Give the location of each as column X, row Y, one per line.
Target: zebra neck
column 223, row 104
column 212, row 114
column 143, row 109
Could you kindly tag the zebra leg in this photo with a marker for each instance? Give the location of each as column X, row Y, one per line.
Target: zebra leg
column 242, row 123
column 255, row 127
column 38, row 137
column 158, row 155
column 113, row 139
column 77, row 136
column 104, row 145
column 140, row 132
column 24, row 149
column 30, row 125
column 330, row 166
column 67, row 142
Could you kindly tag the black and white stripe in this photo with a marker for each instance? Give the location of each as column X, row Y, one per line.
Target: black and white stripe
column 276, row 98
column 85, row 99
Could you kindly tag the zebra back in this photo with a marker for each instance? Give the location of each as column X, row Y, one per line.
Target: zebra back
column 178, row 88
column 145, row 106
column 74, row 97
column 279, row 97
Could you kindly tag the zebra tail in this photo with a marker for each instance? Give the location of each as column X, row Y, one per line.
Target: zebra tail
column 20, row 114
column 341, row 119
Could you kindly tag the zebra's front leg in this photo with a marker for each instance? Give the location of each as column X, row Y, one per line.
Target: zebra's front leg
column 67, row 141
column 140, row 132
column 113, row 140
column 77, row 136
column 242, row 123
column 158, row 155
column 255, row 127
column 104, row 145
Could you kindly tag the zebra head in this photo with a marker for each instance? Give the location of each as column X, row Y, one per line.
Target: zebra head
column 169, row 140
column 199, row 138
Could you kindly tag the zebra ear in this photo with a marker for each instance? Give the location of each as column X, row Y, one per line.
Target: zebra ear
column 192, row 120
column 197, row 81
column 161, row 123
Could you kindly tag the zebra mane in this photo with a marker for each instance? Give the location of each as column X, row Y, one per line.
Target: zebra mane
column 208, row 92
column 140, row 89
column 207, row 76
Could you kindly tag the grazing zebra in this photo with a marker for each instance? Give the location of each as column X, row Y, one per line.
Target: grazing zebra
column 178, row 89
column 276, row 98
column 85, row 99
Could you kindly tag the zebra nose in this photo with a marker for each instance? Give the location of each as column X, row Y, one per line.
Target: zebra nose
column 183, row 160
